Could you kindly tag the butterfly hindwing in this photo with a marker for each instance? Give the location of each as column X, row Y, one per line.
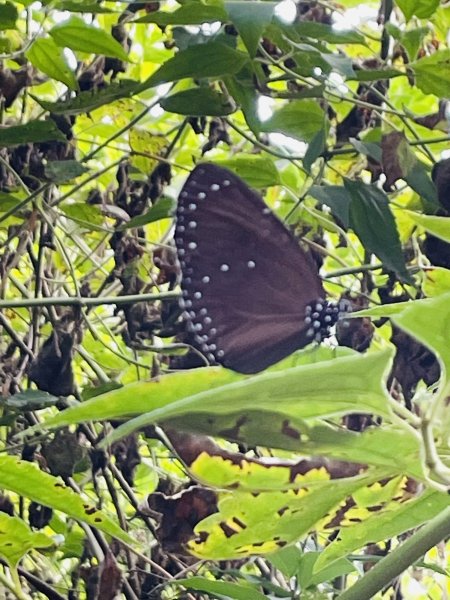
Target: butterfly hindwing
column 246, row 281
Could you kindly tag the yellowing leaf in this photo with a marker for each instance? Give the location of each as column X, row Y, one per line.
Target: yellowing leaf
column 147, row 148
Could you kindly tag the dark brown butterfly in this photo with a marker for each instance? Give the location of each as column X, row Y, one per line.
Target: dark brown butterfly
column 250, row 294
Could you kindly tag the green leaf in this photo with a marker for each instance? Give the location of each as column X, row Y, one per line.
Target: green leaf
column 420, row 181
column 400, row 162
column 198, row 102
column 436, row 281
column 76, row 34
column 33, row 131
column 300, row 119
column 82, row 6
column 17, row 539
column 250, row 19
column 8, row 201
column 339, row 64
column 202, row 60
column 88, row 216
column 428, row 321
column 29, row 400
column 162, row 209
column 411, row 40
column 332, row 387
column 241, row 87
column 8, row 15
column 25, row 479
column 372, row 221
column 336, row 198
column 85, row 102
column 423, row 9
column 45, row 55
column 327, row 33
column 222, row 589
column 400, row 518
column 315, row 149
column 308, row 578
column 438, row 226
column 193, row 13
column 286, row 560
column 433, row 73
column 390, row 447
column 372, row 149
column 62, row 171
column 257, row 171
column 376, row 74
column 147, row 147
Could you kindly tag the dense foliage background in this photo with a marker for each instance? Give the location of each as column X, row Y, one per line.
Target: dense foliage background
column 338, row 113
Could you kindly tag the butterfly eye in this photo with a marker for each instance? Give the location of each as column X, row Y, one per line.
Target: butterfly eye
column 252, row 295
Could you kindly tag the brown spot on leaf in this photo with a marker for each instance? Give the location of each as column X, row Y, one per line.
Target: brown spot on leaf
column 339, row 515
column 291, row 432
column 202, row 537
column 228, row 531
column 233, row 432
column 375, row 508
column 282, row 510
column 239, row 523
column 89, row 510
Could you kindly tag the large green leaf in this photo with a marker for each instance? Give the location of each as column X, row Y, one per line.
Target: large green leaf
column 8, row 15
column 300, row 119
column 438, row 226
column 250, row 19
column 193, row 13
column 241, row 87
column 25, row 479
column 222, row 589
column 429, row 322
column 326, row 389
column 433, row 73
column 258, row 171
column 85, row 102
column 389, row 447
column 62, row 171
column 81, row 6
column 202, row 60
column 45, row 55
column 291, row 561
column 336, row 198
column 423, row 9
column 160, row 210
column 76, row 34
column 325, row 32
column 198, row 102
column 33, row 131
column 88, row 216
column 16, row 539
column 400, row 162
column 372, row 221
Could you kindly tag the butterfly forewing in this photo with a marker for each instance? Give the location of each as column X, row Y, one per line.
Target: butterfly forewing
column 246, row 281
